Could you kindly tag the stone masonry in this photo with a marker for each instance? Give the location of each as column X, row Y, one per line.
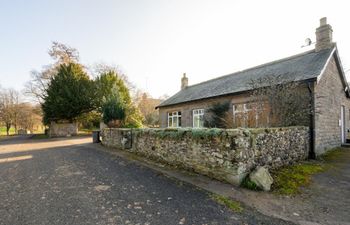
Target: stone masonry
column 329, row 97
column 63, row 129
column 227, row 155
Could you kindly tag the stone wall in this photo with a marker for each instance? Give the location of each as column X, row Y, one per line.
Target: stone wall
column 227, row 155
column 329, row 97
column 63, row 129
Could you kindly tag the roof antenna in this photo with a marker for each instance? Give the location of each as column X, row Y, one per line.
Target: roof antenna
column 308, row 42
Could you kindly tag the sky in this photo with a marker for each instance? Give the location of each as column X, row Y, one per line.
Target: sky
column 155, row 41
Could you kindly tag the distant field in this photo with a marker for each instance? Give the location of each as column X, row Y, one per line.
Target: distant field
column 3, row 131
column 12, row 131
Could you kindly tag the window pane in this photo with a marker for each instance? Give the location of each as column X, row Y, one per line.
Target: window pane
column 239, row 120
column 239, row 107
column 201, row 121
column 248, row 106
column 174, row 121
column 170, row 121
column 198, row 118
column 195, row 121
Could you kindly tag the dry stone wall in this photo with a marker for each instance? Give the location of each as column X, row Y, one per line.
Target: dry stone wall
column 227, row 155
column 63, row 129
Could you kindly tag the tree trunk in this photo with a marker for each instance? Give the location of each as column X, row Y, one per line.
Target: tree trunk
column 8, row 126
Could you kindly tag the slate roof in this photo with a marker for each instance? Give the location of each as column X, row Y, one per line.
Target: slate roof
column 307, row 65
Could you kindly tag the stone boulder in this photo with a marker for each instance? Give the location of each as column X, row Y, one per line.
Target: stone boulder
column 262, row 178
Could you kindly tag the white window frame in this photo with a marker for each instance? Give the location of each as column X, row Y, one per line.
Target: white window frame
column 197, row 113
column 245, row 113
column 172, row 115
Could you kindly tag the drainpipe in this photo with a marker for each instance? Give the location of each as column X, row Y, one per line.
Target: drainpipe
column 310, row 86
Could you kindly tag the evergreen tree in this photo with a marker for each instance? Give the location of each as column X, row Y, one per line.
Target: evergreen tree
column 69, row 94
column 114, row 95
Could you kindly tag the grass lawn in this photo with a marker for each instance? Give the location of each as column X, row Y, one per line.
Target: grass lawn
column 3, row 131
column 12, row 131
column 289, row 180
column 229, row 203
column 87, row 131
column 81, row 132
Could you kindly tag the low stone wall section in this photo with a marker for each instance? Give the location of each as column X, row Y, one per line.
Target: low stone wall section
column 63, row 129
column 227, row 155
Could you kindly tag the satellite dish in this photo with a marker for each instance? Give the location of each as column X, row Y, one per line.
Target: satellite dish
column 308, row 42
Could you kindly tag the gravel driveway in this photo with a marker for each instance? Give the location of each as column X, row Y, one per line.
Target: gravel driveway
column 69, row 181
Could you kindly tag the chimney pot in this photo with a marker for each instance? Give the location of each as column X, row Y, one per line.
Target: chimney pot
column 324, row 35
column 184, row 81
column 323, row 21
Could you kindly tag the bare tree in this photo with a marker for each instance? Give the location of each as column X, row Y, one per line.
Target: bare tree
column 286, row 103
column 30, row 117
column 147, row 106
column 61, row 54
column 101, row 68
column 39, row 82
column 9, row 100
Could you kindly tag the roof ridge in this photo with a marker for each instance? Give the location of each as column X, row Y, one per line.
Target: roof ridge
column 255, row 67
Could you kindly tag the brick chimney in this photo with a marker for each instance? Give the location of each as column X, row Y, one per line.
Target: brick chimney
column 184, row 81
column 324, row 35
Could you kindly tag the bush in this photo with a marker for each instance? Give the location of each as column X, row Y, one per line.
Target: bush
column 113, row 110
column 218, row 116
column 247, row 183
column 90, row 120
column 113, row 96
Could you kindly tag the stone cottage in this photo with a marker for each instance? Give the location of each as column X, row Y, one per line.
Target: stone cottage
column 320, row 70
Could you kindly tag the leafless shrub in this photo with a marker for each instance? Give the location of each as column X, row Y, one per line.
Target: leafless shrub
column 287, row 103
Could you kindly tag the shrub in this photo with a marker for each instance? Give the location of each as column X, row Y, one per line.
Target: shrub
column 218, row 116
column 113, row 110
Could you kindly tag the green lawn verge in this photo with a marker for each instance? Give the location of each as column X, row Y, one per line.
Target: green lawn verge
column 87, row 131
column 289, row 180
column 3, row 131
column 229, row 203
column 332, row 155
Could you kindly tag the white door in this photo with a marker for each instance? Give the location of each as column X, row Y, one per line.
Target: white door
column 342, row 124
